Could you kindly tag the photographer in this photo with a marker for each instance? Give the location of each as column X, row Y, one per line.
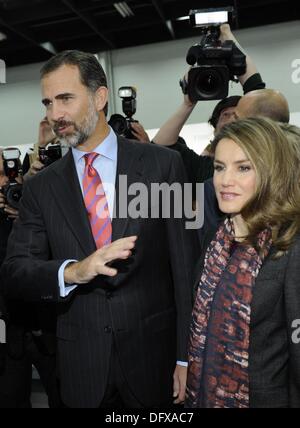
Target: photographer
column 126, row 126
column 30, row 332
column 38, row 158
column 200, row 168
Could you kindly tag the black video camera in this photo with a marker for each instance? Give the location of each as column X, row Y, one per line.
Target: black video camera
column 50, row 154
column 214, row 63
column 12, row 169
column 122, row 125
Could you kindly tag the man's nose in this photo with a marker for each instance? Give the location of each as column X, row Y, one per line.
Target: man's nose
column 56, row 113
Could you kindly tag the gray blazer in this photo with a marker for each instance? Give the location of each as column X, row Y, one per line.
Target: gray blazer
column 274, row 360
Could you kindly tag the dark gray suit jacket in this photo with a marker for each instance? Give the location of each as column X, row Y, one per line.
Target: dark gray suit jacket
column 274, row 360
column 146, row 307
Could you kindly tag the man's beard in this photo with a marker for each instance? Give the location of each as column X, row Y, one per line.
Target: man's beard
column 81, row 132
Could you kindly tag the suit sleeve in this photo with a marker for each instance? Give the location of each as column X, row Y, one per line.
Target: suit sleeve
column 28, row 272
column 292, row 302
column 183, row 251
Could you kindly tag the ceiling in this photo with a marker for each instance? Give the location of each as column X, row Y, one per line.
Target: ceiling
column 33, row 30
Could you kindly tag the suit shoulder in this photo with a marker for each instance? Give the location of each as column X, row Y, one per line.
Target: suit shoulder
column 154, row 150
column 45, row 174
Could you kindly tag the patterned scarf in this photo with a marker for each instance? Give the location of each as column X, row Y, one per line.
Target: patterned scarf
column 219, row 340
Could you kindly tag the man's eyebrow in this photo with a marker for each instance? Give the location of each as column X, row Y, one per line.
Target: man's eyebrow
column 65, row 94
column 46, row 101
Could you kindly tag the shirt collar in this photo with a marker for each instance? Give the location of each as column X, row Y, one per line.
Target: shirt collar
column 108, row 148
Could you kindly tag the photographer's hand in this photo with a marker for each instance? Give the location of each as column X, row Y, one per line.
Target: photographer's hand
column 9, row 211
column 226, row 34
column 35, row 168
column 190, row 105
column 45, row 133
column 2, row 201
column 139, row 132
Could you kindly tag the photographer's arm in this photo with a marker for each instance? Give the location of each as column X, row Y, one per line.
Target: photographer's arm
column 170, row 130
column 251, row 70
column 139, row 132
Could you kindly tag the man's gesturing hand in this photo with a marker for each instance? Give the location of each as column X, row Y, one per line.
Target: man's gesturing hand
column 85, row 271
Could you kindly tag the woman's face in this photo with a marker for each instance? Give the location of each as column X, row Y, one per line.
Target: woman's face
column 234, row 177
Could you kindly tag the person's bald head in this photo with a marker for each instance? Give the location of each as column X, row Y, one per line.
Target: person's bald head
column 264, row 103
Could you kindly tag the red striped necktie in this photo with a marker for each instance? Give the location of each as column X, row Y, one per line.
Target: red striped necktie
column 96, row 203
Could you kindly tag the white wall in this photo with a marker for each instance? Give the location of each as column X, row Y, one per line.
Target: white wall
column 155, row 71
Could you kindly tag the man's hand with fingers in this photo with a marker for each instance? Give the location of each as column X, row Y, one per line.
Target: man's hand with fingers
column 46, row 134
column 179, row 385
column 11, row 212
column 97, row 264
column 2, row 201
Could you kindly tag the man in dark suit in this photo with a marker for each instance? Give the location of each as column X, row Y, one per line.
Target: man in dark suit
column 123, row 326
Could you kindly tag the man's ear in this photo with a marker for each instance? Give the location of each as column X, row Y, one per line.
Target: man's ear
column 101, row 98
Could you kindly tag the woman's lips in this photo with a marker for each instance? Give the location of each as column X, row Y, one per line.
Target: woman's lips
column 227, row 196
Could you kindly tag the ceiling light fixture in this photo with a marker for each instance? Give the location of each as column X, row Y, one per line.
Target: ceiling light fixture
column 124, row 10
column 183, row 18
column 48, row 46
column 2, row 37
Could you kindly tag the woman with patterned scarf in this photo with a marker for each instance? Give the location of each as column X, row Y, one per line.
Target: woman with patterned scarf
column 244, row 348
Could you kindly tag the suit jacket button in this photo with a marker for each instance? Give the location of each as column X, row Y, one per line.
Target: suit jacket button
column 108, row 329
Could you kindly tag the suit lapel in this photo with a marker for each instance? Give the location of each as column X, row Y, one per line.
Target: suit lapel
column 131, row 166
column 67, row 192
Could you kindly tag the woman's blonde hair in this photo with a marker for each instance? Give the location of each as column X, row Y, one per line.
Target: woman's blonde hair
column 276, row 160
column 292, row 134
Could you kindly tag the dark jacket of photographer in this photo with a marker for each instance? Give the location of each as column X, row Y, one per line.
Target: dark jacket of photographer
column 22, row 318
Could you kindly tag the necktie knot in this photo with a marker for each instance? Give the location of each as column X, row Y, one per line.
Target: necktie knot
column 89, row 159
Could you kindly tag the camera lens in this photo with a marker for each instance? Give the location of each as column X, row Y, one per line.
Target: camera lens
column 208, row 83
column 118, row 124
column 13, row 195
